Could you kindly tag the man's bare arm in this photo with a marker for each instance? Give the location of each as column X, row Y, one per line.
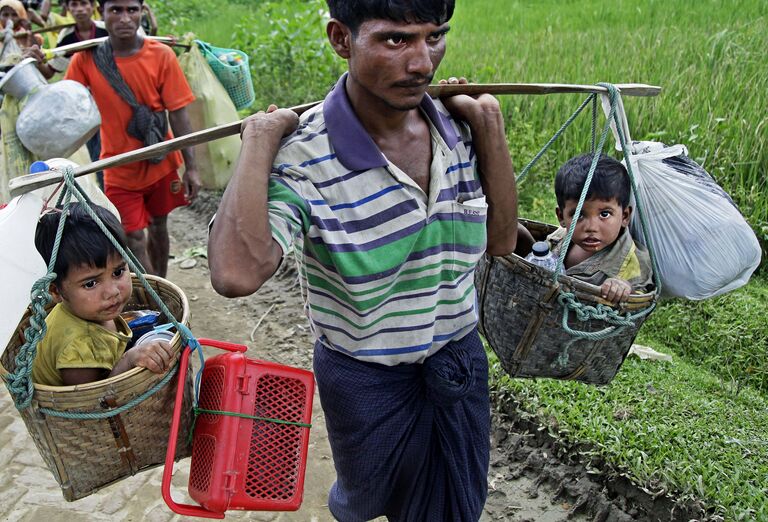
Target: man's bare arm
column 241, row 252
column 496, row 172
column 179, row 120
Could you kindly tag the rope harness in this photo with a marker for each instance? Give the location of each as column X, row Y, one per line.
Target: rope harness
column 20, row 383
column 583, row 312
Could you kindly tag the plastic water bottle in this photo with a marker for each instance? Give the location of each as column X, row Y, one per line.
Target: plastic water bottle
column 541, row 255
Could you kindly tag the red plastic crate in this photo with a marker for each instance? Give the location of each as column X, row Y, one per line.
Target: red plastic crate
column 243, row 463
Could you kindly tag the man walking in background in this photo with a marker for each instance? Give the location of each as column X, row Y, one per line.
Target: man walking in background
column 134, row 81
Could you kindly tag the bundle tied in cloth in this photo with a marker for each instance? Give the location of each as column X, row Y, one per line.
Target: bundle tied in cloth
column 146, row 125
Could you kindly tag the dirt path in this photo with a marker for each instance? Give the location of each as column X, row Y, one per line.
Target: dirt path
column 530, row 478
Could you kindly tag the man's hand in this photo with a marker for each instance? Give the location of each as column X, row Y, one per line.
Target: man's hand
column 35, row 52
column 615, row 290
column 192, row 183
column 274, row 121
column 155, row 356
column 469, row 108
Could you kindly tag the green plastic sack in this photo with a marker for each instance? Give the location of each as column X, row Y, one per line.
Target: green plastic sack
column 232, row 69
column 212, row 107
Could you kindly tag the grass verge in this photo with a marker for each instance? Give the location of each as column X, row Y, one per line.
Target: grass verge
column 670, row 427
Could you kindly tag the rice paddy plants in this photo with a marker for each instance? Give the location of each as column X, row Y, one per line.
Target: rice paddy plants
column 671, row 427
column 727, row 335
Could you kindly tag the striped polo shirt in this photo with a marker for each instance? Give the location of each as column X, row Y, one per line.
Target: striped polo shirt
column 387, row 271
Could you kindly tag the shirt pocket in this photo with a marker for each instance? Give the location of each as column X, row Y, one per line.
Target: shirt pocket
column 468, row 231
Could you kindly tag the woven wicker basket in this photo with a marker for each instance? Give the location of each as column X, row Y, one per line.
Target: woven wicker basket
column 86, row 455
column 521, row 319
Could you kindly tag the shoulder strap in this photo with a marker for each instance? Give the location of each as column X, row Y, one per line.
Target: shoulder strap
column 104, row 59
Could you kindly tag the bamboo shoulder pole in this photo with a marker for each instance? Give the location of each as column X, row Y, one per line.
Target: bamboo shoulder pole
column 89, row 44
column 28, row 183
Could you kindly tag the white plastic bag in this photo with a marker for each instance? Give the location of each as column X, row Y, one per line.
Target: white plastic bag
column 704, row 247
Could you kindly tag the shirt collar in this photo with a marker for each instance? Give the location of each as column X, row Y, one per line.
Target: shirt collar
column 354, row 147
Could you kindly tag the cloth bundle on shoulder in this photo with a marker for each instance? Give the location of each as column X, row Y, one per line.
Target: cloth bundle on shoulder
column 147, row 126
column 212, row 107
column 704, row 246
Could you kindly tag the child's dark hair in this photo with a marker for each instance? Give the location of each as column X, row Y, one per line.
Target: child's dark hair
column 82, row 243
column 610, row 180
column 352, row 13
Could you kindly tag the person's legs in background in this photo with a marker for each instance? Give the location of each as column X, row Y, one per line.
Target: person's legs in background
column 158, row 245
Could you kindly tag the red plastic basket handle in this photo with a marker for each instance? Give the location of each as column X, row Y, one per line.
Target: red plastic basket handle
column 224, row 345
column 191, row 510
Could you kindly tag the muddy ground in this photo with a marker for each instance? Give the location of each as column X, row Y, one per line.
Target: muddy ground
column 532, row 477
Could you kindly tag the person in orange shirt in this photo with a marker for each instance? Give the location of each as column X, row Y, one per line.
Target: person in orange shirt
column 144, row 192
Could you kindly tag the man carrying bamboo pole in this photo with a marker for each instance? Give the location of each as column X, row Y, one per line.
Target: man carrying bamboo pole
column 388, row 199
column 134, row 80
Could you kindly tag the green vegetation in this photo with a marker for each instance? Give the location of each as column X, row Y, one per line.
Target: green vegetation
column 696, row 427
column 668, row 426
column 708, row 56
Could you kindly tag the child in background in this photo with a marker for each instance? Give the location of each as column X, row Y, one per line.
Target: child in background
column 148, row 20
column 13, row 13
column 601, row 251
column 87, row 338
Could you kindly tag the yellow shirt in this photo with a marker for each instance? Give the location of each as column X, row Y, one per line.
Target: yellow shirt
column 71, row 342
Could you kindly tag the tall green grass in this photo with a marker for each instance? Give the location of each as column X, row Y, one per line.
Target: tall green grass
column 708, row 56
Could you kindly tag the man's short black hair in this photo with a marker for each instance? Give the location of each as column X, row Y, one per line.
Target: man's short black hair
column 82, row 243
column 610, row 180
column 103, row 3
column 352, row 13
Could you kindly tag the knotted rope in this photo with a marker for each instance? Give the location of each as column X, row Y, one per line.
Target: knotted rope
column 568, row 300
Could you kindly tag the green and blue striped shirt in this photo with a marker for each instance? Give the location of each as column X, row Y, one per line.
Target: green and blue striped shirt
column 387, row 270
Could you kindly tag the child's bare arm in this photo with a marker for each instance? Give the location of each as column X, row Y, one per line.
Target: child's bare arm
column 155, row 357
column 616, row 290
column 73, row 376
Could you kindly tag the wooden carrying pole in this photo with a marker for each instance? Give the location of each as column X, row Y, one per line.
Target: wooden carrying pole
column 28, row 183
column 68, row 49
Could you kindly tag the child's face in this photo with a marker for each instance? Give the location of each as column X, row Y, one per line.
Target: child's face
column 96, row 294
column 8, row 13
column 599, row 224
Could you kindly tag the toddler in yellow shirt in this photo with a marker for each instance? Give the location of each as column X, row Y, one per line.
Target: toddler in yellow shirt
column 86, row 338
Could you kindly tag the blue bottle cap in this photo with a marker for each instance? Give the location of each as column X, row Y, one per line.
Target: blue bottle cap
column 38, row 166
column 540, row 248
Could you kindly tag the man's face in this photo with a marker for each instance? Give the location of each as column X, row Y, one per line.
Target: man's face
column 394, row 62
column 122, row 18
column 8, row 13
column 82, row 10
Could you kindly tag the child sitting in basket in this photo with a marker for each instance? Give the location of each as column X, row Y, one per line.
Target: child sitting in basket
column 87, row 338
column 601, row 251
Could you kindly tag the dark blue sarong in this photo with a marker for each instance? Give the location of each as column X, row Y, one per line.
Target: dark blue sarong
column 410, row 442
